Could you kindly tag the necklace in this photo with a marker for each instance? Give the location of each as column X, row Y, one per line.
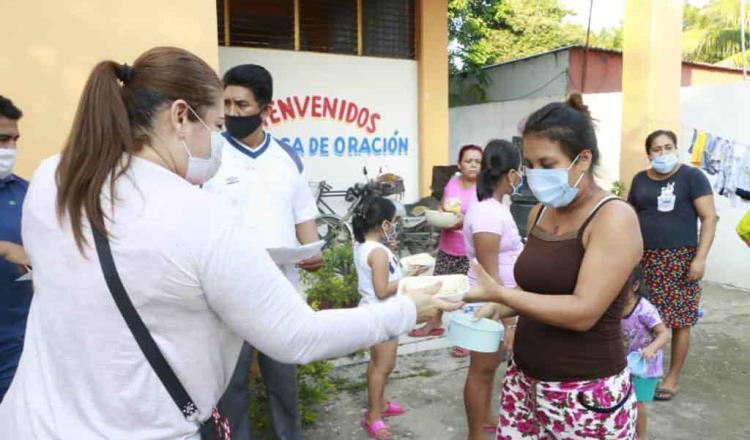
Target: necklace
column 582, row 201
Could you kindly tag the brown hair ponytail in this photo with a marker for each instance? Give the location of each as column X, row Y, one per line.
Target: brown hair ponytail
column 575, row 100
column 114, row 119
column 99, row 137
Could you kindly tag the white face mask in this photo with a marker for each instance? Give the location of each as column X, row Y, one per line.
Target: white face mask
column 7, row 162
column 515, row 188
column 201, row 170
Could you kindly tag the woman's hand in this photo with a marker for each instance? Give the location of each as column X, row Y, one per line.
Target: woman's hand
column 485, row 289
column 648, row 352
column 14, row 253
column 312, row 264
column 417, row 270
column 508, row 337
column 460, row 224
column 697, row 269
column 494, row 312
column 428, row 305
column 488, row 311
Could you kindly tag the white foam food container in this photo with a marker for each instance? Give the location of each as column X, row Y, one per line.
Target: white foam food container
column 453, row 289
column 413, row 263
column 441, row 219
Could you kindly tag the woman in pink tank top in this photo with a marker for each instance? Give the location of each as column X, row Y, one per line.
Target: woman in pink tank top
column 459, row 193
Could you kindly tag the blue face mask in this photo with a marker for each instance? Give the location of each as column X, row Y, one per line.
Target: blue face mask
column 551, row 187
column 665, row 163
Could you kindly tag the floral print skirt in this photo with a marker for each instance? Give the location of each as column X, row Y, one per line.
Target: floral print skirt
column 666, row 275
column 588, row 409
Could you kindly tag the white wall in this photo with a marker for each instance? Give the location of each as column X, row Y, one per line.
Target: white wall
column 722, row 111
column 606, row 109
column 477, row 124
column 383, row 87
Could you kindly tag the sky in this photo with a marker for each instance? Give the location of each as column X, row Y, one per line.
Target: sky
column 606, row 13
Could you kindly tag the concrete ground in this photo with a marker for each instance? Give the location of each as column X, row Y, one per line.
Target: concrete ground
column 712, row 402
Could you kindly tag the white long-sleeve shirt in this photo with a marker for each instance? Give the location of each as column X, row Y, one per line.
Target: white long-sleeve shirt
column 200, row 282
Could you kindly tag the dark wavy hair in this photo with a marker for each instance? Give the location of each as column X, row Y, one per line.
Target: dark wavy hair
column 637, row 277
column 654, row 134
column 500, row 156
column 568, row 123
column 373, row 213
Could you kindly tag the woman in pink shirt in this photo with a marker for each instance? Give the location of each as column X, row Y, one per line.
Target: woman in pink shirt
column 492, row 239
column 451, row 258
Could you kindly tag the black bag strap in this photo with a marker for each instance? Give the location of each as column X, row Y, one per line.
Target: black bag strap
column 141, row 334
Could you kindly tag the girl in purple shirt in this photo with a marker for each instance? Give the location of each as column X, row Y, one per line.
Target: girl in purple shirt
column 644, row 333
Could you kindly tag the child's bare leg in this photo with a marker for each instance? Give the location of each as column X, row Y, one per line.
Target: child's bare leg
column 640, row 424
column 382, row 362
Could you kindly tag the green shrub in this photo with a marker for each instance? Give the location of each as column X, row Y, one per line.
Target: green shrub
column 618, row 188
column 333, row 286
column 315, row 386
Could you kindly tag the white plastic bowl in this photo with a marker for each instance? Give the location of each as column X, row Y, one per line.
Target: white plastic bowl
column 453, row 288
column 441, row 219
column 484, row 335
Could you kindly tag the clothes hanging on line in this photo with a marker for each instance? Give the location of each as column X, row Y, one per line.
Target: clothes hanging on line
column 726, row 162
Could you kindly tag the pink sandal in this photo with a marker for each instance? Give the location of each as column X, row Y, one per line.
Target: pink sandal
column 373, row 429
column 459, row 352
column 420, row 333
column 393, row 409
column 489, row 428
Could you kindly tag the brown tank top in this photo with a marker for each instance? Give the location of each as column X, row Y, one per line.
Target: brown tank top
column 550, row 265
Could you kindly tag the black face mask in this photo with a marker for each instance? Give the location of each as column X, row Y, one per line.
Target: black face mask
column 241, row 127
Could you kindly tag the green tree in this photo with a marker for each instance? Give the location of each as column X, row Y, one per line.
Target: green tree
column 711, row 34
column 608, row 38
column 528, row 27
column 469, row 24
column 483, row 32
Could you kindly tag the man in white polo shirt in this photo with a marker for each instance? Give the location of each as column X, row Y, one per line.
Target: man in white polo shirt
column 263, row 180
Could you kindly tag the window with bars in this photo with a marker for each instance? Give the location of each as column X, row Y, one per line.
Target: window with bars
column 260, row 23
column 220, row 21
column 328, row 26
column 388, row 28
column 384, row 28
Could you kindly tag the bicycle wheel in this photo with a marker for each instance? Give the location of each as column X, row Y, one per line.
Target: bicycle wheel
column 332, row 230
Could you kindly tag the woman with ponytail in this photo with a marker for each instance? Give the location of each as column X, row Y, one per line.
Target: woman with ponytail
column 378, row 274
column 492, row 238
column 145, row 286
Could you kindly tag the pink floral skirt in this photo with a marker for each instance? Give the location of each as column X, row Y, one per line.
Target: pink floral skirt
column 588, row 409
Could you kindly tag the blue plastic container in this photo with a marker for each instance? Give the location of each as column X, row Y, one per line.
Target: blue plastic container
column 484, row 335
column 645, row 387
column 637, row 364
